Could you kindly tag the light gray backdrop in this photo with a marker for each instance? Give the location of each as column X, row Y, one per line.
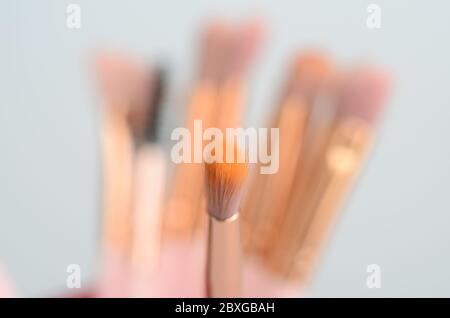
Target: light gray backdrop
column 398, row 216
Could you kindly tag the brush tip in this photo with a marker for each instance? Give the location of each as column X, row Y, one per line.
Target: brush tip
column 248, row 40
column 364, row 93
column 224, row 183
column 312, row 72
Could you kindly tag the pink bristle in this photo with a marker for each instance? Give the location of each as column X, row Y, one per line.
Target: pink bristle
column 363, row 94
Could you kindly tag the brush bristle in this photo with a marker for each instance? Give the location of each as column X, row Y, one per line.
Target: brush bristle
column 248, row 41
column 364, row 93
column 224, row 183
column 312, row 73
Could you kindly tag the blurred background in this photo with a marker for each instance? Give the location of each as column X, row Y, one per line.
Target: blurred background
column 398, row 216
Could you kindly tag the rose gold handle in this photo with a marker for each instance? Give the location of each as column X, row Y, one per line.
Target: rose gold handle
column 224, row 258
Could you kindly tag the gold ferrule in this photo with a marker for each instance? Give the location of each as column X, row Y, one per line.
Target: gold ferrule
column 347, row 146
column 343, row 156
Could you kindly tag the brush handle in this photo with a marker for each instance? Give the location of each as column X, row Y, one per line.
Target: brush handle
column 342, row 161
column 149, row 177
column 224, row 258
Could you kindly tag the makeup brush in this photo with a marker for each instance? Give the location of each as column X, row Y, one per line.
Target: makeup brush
column 117, row 149
column 315, row 84
column 310, row 78
column 182, row 207
column 360, row 103
column 360, row 100
column 132, row 95
column 148, row 187
column 224, row 185
column 242, row 45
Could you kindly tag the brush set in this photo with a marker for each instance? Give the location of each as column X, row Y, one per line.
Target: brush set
column 222, row 228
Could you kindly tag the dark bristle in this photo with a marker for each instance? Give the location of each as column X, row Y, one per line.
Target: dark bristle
column 153, row 117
